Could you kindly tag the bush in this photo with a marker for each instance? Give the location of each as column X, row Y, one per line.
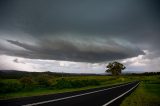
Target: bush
column 44, row 80
column 10, row 86
column 27, row 82
column 64, row 83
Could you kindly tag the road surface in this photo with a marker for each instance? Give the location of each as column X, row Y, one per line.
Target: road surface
column 104, row 96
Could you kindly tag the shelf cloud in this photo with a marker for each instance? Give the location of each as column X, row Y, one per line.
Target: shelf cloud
column 90, row 31
column 76, row 51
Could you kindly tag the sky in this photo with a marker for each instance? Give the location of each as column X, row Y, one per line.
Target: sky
column 79, row 36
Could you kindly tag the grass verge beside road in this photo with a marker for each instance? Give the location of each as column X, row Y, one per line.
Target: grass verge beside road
column 147, row 93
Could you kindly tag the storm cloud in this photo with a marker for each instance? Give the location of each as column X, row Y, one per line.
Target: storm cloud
column 81, row 31
column 76, row 51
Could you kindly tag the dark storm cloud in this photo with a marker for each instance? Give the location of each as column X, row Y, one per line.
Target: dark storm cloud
column 132, row 20
column 65, row 50
column 90, row 16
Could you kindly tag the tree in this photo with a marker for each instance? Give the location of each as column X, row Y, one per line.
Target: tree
column 115, row 68
column 27, row 82
column 44, row 80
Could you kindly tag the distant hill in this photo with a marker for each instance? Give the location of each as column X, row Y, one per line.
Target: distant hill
column 18, row 74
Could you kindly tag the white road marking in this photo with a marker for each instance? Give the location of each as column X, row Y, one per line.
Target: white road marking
column 119, row 96
column 54, row 100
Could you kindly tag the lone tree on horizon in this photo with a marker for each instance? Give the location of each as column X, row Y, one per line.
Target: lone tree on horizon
column 115, row 68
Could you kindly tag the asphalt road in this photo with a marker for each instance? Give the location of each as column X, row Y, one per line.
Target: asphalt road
column 104, row 96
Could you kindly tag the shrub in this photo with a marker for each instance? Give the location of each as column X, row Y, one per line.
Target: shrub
column 10, row 86
column 44, row 80
column 64, row 83
column 27, row 82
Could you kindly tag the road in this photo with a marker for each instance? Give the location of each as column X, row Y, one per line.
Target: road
column 103, row 96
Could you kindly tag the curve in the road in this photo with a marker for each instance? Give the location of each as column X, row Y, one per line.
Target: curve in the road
column 106, row 104
column 111, row 101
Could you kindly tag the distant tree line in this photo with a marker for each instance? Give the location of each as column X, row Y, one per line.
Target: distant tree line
column 146, row 73
column 12, row 74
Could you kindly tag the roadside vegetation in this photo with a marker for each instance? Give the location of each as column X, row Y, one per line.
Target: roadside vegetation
column 32, row 84
column 147, row 93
